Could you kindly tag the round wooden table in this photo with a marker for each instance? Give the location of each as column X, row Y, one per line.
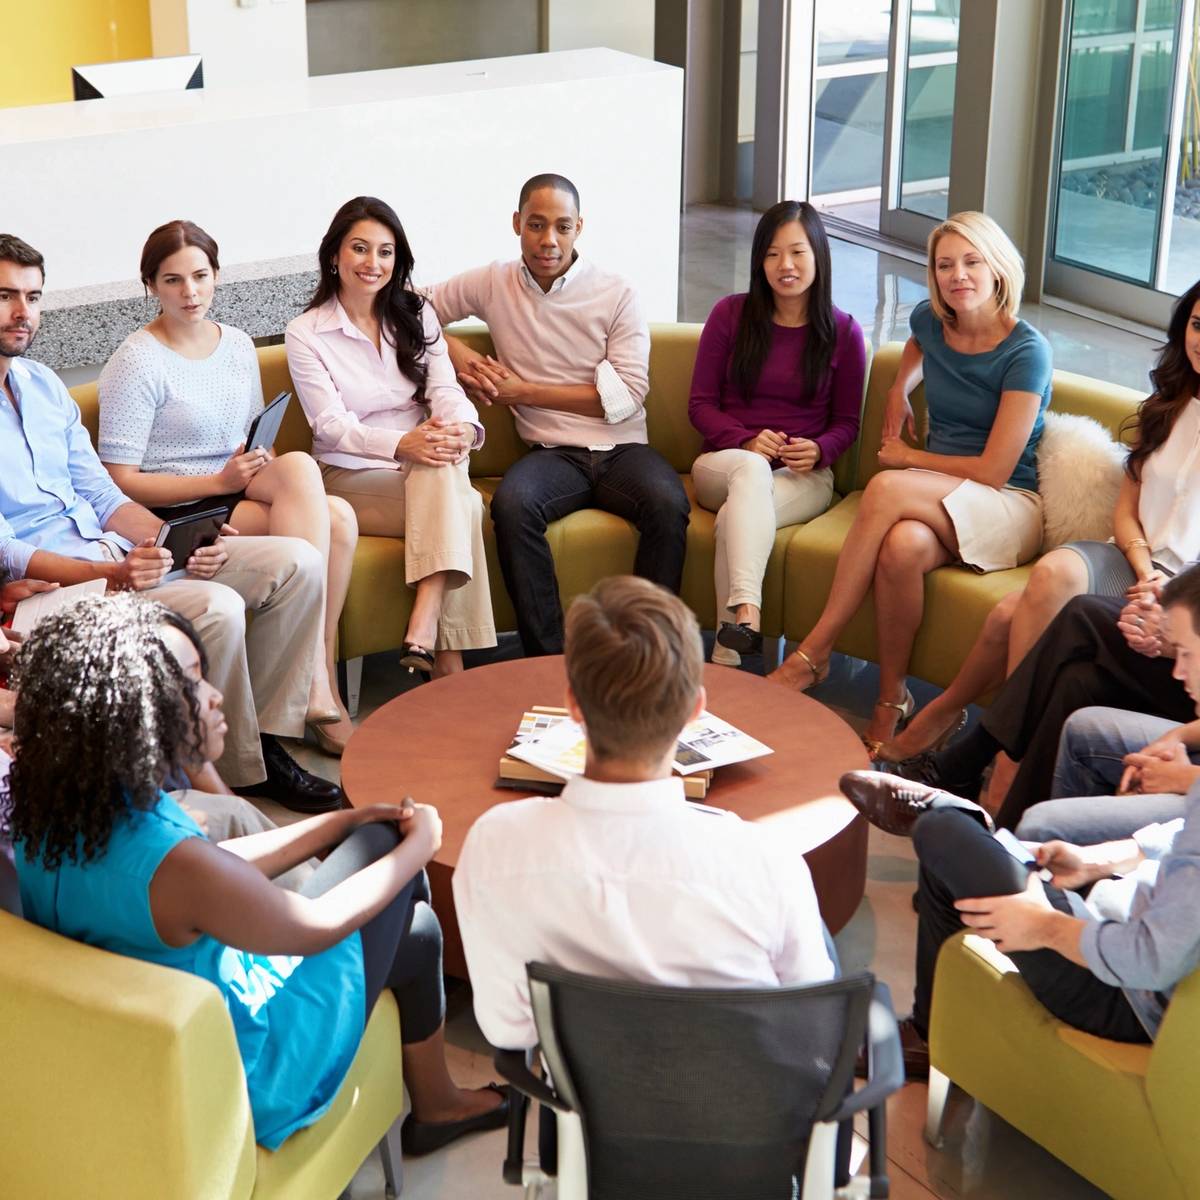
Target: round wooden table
column 442, row 743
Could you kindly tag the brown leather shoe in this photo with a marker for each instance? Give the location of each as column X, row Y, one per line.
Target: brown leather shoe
column 913, row 1048
column 893, row 804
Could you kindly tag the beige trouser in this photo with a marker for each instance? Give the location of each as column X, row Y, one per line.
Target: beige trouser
column 226, row 817
column 440, row 517
column 751, row 502
column 264, row 671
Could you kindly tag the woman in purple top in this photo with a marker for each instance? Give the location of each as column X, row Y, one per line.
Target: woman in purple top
column 777, row 393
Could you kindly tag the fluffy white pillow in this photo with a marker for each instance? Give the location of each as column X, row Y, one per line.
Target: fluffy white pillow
column 1079, row 469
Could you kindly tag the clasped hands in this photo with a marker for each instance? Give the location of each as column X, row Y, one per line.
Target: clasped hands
column 487, row 381
column 796, row 453
column 436, row 443
column 1141, row 619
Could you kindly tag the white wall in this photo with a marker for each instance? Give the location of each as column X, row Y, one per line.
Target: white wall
column 265, row 42
column 263, row 169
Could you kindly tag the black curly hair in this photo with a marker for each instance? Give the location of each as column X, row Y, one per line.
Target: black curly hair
column 104, row 714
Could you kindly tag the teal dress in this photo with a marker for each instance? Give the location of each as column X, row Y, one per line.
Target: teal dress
column 962, row 391
column 298, row 1021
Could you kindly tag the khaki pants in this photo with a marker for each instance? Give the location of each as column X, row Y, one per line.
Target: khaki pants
column 751, row 502
column 264, row 672
column 440, row 517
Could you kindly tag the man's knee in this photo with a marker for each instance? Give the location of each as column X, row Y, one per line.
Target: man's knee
column 213, row 608
column 1042, row 822
column 517, row 504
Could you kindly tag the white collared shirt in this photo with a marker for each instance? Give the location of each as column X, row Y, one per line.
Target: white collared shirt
column 587, row 328
column 357, row 400
column 628, row 881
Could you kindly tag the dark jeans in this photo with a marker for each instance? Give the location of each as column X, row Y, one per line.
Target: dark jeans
column 402, row 945
column 633, row 481
column 1082, row 659
column 960, row 859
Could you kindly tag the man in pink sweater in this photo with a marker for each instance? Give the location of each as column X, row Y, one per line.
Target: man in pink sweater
column 572, row 362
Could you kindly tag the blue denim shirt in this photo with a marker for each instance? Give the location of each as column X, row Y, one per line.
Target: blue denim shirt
column 55, row 494
column 1157, row 943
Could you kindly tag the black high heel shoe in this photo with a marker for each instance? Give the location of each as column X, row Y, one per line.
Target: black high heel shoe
column 417, row 658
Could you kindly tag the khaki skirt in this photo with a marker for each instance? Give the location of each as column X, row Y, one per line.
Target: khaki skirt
column 997, row 528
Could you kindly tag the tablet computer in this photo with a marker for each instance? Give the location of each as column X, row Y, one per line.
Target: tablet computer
column 264, row 429
column 183, row 535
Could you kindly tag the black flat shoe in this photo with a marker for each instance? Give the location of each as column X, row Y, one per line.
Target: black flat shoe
column 417, row 658
column 424, row 1137
column 289, row 784
column 740, row 637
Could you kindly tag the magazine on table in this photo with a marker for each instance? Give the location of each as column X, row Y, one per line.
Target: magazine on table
column 559, row 746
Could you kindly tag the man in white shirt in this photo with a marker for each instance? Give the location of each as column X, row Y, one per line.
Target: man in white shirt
column 621, row 876
column 574, row 352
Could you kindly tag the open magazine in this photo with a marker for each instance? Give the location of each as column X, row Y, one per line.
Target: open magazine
column 560, row 748
column 41, row 604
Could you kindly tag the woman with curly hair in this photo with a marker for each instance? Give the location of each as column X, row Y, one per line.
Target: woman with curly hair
column 105, row 856
column 392, row 427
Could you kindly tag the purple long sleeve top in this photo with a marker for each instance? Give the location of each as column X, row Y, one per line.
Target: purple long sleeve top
column 780, row 402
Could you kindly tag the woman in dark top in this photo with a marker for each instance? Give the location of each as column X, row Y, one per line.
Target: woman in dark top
column 777, row 392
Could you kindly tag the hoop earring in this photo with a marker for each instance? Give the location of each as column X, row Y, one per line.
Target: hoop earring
column 333, row 269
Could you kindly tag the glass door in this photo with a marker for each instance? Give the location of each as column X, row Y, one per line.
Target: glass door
column 1126, row 215
column 883, row 112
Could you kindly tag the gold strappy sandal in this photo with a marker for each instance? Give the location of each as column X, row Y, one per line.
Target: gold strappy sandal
column 905, row 708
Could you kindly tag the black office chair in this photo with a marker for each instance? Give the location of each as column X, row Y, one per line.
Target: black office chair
column 702, row 1093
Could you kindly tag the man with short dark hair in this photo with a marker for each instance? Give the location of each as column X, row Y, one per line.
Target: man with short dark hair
column 621, row 876
column 62, row 519
column 1107, row 964
column 572, row 362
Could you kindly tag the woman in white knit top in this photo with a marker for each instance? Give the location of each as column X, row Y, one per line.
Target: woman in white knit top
column 176, row 403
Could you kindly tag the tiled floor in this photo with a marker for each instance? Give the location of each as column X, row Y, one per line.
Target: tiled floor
column 983, row 1158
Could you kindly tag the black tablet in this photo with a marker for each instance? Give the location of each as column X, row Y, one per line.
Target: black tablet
column 183, row 535
column 264, row 429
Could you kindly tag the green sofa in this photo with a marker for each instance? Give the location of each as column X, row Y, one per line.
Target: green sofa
column 1120, row 1115
column 589, row 545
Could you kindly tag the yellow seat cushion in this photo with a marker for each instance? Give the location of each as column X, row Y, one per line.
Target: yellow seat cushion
column 1081, row 1097
column 126, row 1076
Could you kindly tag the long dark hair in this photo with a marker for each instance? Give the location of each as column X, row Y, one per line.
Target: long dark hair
column 753, row 342
column 106, row 715
column 397, row 306
column 1175, row 383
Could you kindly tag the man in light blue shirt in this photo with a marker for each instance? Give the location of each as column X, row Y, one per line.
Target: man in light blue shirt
column 62, row 519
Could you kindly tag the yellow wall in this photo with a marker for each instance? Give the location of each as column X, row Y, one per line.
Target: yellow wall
column 44, row 39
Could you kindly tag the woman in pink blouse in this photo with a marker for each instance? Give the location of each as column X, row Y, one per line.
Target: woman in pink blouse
column 392, row 428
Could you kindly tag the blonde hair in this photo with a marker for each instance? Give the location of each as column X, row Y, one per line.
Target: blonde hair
column 634, row 662
column 996, row 249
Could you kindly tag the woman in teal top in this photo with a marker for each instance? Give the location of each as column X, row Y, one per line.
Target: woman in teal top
column 970, row 495
column 103, row 855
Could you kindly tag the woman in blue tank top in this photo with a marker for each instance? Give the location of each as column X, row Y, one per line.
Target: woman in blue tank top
column 103, row 855
column 969, row 496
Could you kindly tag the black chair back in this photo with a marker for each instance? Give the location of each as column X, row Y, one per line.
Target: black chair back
column 697, row 1093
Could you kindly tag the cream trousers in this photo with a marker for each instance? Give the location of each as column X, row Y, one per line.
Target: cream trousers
column 751, row 502
column 440, row 517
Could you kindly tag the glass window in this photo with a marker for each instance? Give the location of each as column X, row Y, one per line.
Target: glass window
column 1093, row 17
column 1113, row 144
column 929, row 108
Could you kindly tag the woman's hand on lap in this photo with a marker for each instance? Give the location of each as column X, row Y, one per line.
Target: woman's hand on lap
column 768, row 443
column 894, row 452
column 241, row 468
column 800, row 454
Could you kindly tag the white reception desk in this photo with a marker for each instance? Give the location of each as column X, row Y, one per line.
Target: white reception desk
column 263, row 169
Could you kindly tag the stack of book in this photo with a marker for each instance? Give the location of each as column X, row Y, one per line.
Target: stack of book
column 549, row 748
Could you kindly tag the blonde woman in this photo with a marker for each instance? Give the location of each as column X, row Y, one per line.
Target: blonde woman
column 970, row 495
